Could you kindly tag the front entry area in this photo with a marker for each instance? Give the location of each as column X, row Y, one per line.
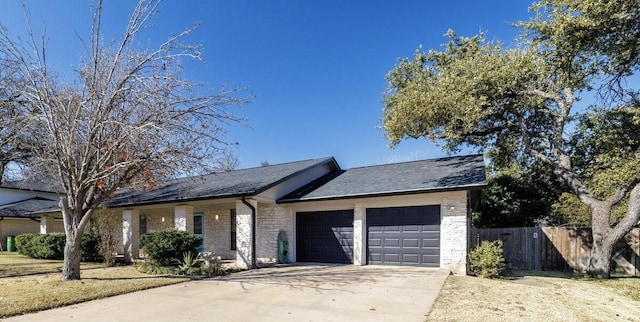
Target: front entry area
column 325, row 236
column 404, row 236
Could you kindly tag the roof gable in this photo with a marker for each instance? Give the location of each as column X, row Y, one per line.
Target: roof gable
column 29, row 207
column 245, row 182
column 453, row 173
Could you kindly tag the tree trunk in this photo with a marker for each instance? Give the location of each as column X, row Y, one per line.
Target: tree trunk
column 600, row 261
column 72, row 255
column 603, row 241
column 74, row 224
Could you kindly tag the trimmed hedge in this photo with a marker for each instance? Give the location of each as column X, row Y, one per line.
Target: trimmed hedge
column 51, row 246
column 41, row 246
column 167, row 247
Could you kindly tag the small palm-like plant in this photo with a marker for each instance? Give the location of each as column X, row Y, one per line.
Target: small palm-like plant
column 190, row 263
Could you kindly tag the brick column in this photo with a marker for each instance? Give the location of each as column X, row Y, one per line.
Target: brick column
column 244, row 236
column 453, row 233
column 359, row 235
column 130, row 234
column 183, row 218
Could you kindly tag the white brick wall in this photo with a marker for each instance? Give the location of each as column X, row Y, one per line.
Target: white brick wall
column 271, row 220
column 217, row 233
column 243, row 233
column 453, row 232
column 359, row 234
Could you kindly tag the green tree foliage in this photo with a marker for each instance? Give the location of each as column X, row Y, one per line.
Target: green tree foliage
column 569, row 211
column 602, row 35
column 519, row 103
column 518, row 198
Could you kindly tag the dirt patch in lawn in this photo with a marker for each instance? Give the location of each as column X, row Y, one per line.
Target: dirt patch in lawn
column 536, row 298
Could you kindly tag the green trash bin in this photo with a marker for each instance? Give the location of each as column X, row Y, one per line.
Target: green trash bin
column 10, row 245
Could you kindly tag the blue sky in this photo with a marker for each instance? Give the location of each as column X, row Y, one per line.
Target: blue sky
column 316, row 67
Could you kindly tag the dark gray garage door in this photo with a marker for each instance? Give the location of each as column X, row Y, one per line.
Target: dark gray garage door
column 404, row 236
column 325, row 236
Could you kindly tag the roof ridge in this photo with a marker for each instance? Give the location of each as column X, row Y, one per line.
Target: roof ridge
column 415, row 161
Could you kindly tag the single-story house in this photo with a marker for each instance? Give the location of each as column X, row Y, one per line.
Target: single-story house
column 28, row 207
column 411, row 213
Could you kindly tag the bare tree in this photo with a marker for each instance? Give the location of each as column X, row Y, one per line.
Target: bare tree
column 226, row 162
column 129, row 117
column 12, row 115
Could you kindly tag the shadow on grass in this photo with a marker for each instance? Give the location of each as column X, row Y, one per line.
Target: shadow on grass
column 177, row 277
column 43, row 271
column 554, row 274
column 516, row 274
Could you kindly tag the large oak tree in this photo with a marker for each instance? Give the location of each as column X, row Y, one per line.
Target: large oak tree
column 521, row 103
column 126, row 118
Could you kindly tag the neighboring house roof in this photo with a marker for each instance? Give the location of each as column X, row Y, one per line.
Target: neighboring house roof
column 30, row 185
column 453, row 173
column 29, row 208
column 245, row 182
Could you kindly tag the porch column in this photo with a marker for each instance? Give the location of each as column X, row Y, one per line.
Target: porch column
column 183, row 218
column 130, row 234
column 359, row 234
column 43, row 224
column 244, row 237
column 453, row 233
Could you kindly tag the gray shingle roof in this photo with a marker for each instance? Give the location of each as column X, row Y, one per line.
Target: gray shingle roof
column 31, row 185
column 244, row 182
column 29, row 208
column 453, row 173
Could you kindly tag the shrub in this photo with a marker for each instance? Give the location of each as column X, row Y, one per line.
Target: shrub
column 152, row 267
column 193, row 265
column 41, row 246
column 166, row 247
column 23, row 243
column 51, row 246
column 107, row 225
column 486, row 259
column 90, row 245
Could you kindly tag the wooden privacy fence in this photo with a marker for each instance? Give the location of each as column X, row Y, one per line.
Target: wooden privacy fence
column 557, row 248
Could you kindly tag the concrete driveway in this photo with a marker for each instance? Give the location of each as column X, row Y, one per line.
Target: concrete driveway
column 289, row 293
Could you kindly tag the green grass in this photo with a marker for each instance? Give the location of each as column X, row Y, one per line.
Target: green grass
column 25, row 294
column 14, row 264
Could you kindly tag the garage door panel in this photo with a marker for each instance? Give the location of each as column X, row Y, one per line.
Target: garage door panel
column 391, row 242
column 411, row 228
column 404, row 236
column 410, row 243
column 391, row 257
column 435, row 243
column 411, row 259
column 325, row 236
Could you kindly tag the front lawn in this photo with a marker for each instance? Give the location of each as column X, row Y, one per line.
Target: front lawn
column 536, row 297
column 14, row 264
column 19, row 295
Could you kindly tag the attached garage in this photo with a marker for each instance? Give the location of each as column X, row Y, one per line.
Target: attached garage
column 325, row 236
column 404, row 236
column 411, row 213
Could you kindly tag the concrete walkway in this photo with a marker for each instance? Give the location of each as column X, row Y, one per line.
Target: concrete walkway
column 290, row 293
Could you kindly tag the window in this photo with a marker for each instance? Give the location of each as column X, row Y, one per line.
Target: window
column 143, row 224
column 197, row 224
column 233, row 229
column 198, row 228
